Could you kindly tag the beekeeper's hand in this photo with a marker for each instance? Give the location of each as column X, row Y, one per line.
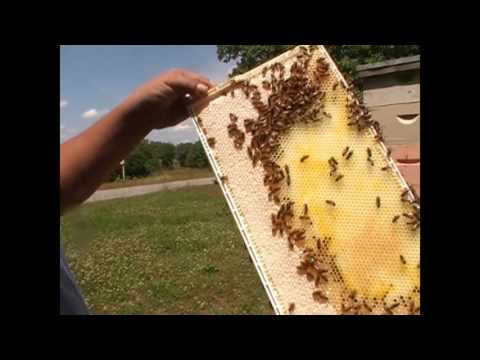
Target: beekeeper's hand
column 161, row 101
column 88, row 158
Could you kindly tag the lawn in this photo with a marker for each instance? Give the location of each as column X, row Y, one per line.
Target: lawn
column 171, row 252
column 161, row 176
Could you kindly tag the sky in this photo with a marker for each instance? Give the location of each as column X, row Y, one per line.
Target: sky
column 94, row 79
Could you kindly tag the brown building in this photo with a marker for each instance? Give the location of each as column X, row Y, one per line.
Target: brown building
column 391, row 90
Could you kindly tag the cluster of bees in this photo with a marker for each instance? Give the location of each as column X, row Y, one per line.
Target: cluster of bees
column 281, row 223
column 235, row 133
column 290, row 101
column 413, row 216
column 353, row 305
column 359, row 116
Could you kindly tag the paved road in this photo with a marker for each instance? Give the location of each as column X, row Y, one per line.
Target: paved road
column 145, row 189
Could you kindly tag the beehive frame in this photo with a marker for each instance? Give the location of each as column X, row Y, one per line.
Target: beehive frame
column 278, row 300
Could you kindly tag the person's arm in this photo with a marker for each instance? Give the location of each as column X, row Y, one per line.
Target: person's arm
column 87, row 159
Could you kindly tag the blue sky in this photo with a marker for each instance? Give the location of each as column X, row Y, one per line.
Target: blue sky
column 94, row 79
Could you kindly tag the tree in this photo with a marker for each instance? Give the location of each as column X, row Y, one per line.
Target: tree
column 196, row 157
column 164, row 153
column 182, row 151
column 248, row 56
column 346, row 56
column 142, row 161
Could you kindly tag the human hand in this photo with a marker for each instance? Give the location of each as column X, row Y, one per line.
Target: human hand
column 161, row 101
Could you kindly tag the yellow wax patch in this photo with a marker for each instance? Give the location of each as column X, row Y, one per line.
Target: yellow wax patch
column 365, row 243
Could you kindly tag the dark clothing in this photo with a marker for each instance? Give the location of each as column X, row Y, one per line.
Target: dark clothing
column 71, row 299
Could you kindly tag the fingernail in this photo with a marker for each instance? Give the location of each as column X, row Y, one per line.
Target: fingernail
column 202, row 88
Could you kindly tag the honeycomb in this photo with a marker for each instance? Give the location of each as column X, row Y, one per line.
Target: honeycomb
column 356, row 222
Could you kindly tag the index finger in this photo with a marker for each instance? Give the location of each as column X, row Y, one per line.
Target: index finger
column 197, row 77
column 188, row 82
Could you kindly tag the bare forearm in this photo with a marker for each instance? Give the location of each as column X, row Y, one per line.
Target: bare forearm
column 87, row 159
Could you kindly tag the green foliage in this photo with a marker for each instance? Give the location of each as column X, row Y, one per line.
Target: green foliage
column 248, row 56
column 346, row 56
column 164, row 152
column 196, row 157
column 182, row 151
column 142, row 161
column 149, row 156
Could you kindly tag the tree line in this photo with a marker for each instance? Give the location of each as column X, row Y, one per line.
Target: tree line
column 348, row 57
column 150, row 156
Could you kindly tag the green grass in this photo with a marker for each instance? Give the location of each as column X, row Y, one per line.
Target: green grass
column 161, row 176
column 172, row 252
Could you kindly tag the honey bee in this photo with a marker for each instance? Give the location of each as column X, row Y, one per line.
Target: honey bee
column 211, row 142
column 233, row 118
column 338, row 178
column 332, row 160
column 305, row 209
column 389, row 152
column 223, row 179
column 371, row 161
column 291, row 307
column 366, row 306
column 402, row 259
column 287, row 171
column 249, row 152
column 412, row 309
column 345, row 151
column 232, row 93
column 387, row 311
column 395, row 219
column 335, row 85
column 379, row 138
column 349, row 155
column 385, row 168
column 369, row 152
column 305, row 157
column 353, row 294
column 320, row 277
column 264, row 71
column 352, row 123
column 378, row 202
column 330, row 202
column 319, row 296
column 393, row 306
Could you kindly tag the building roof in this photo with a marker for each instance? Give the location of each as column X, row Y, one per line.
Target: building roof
column 389, row 66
